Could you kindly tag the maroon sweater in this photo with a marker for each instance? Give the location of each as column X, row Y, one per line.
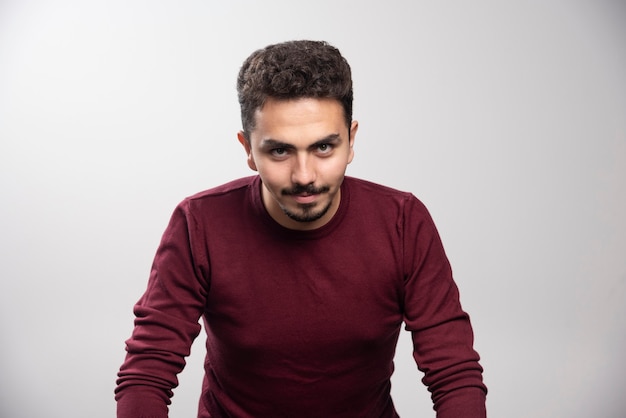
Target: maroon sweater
column 300, row 323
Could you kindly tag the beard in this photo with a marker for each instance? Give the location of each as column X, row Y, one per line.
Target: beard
column 307, row 212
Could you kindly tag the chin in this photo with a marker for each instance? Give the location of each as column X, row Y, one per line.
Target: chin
column 307, row 215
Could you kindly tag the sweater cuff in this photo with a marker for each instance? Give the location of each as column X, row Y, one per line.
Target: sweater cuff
column 464, row 403
column 141, row 404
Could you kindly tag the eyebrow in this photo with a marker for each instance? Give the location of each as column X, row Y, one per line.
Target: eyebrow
column 273, row 143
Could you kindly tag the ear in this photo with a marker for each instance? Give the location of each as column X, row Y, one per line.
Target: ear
column 246, row 145
column 353, row 128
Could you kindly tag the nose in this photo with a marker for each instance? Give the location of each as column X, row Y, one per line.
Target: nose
column 303, row 171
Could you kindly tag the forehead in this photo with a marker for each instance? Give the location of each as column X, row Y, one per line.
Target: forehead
column 302, row 117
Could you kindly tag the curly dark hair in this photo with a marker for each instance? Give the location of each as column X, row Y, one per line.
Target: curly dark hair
column 293, row 69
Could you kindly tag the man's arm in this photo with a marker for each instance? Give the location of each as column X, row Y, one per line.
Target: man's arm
column 166, row 323
column 441, row 330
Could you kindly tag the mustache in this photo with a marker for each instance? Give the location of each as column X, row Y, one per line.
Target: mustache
column 305, row 189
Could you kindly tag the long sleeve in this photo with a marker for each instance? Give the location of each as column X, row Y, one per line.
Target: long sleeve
column 287, row 310
column 166, row 322
column 441, row 330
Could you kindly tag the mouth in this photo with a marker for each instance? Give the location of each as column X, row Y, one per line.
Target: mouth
column 305, row 198
column 305, row 195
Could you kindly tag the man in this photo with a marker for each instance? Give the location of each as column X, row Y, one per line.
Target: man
column 303, row 276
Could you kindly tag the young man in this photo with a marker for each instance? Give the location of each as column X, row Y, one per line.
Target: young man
column 303, row 277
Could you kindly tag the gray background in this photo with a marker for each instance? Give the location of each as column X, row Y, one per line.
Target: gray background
column 508, row 119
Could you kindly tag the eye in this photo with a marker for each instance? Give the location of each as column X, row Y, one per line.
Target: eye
column 324, row 148
column 278, row 152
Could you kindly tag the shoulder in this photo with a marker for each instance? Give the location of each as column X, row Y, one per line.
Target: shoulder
column 374, row 192
column 232, row 187
column 224, row 200
column 367, row 186
column 385, row 201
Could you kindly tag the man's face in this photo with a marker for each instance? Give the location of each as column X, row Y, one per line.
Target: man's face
column 301, row 149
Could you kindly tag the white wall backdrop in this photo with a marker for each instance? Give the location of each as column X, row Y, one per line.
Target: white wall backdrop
column 508, row 119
